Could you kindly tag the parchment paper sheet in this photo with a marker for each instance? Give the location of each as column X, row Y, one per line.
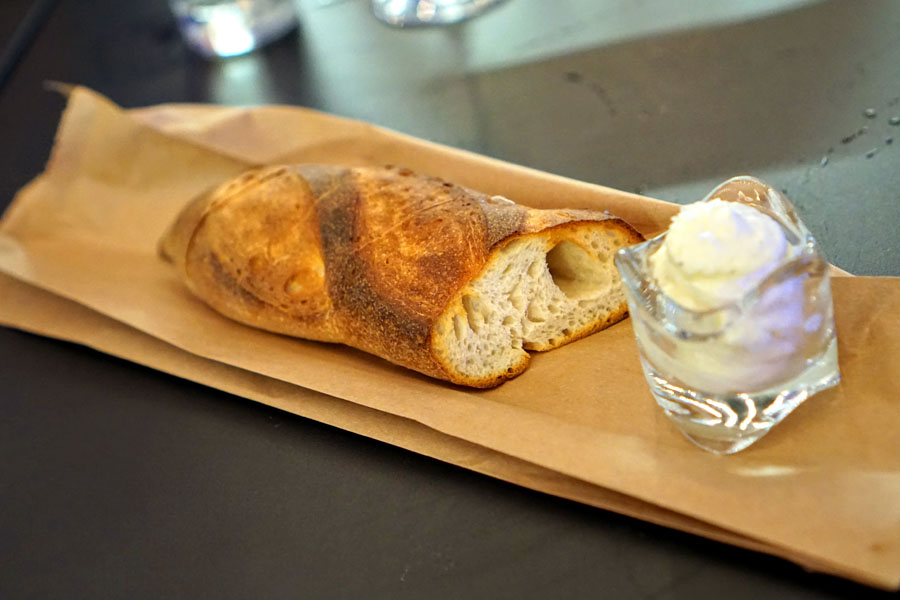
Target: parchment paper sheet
column 823, row 489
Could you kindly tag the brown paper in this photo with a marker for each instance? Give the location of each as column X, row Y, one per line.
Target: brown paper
column 38, row 311
column 822, row 489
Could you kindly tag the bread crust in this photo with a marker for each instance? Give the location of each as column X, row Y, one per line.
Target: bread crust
column 367, row 257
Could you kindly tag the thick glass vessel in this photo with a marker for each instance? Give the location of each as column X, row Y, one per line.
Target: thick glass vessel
column 728, row 374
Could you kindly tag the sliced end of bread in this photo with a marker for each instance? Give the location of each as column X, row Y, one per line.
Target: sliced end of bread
column 537, row 292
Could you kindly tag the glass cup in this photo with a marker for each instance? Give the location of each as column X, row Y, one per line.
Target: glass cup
column 411, row 13
column 232, row 27
column 727, row 375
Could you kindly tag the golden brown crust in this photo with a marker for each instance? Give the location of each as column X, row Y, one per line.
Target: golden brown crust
column 366, row 257
column 251, row 250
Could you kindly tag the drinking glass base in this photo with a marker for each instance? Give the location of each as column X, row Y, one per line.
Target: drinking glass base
column 725, row 424
column 418, row 13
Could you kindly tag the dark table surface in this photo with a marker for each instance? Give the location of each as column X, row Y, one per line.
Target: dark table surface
column 119, row 481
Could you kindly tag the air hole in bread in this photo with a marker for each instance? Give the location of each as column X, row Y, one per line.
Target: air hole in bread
column 459, row 327
column 576, row 272
column 536, row 312
column 516, row 298
column 475, row 312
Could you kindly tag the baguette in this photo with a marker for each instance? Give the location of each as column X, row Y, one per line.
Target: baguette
column 429, row 275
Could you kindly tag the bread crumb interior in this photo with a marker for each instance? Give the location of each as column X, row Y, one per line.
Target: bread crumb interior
column 534, row 294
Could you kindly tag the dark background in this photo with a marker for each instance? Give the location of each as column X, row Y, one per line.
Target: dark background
column 119, row 481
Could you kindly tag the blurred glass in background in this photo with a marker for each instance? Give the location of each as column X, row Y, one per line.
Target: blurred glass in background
column 412, row 13
column 232, row 27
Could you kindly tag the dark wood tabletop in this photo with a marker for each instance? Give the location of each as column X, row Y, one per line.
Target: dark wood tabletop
column 120, row 481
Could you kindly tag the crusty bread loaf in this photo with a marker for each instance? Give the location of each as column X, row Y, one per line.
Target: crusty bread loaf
column 424, row 273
